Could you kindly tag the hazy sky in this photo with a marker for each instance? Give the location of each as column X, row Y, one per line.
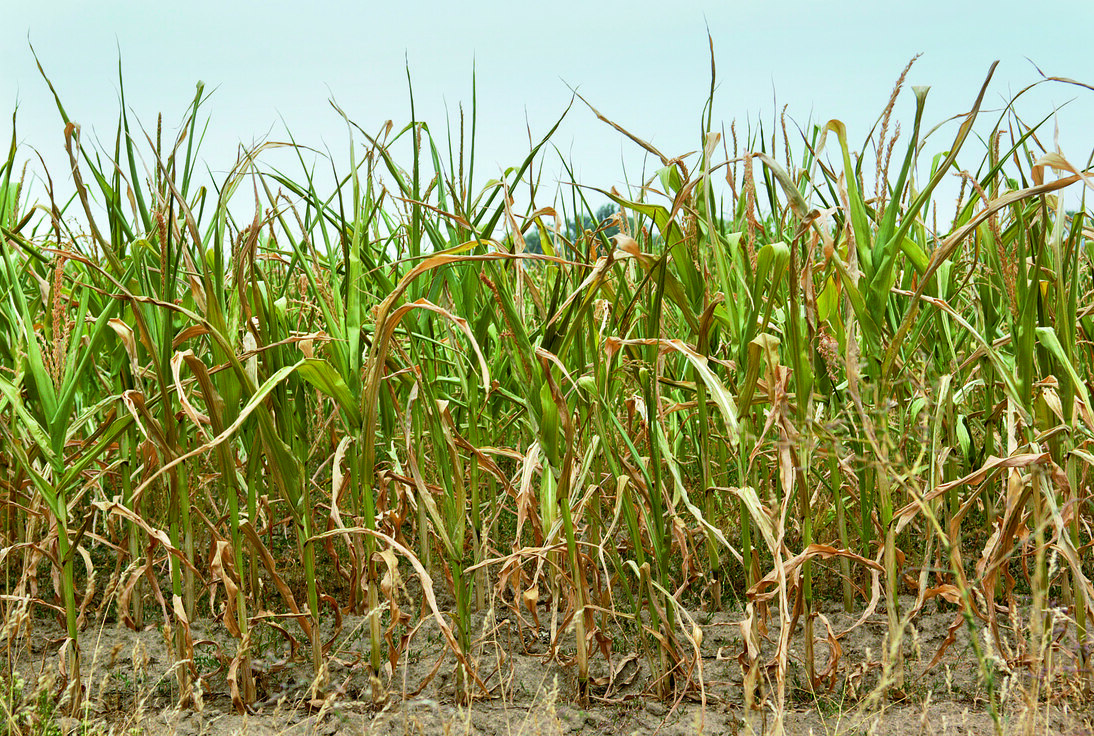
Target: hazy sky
column 645, row 65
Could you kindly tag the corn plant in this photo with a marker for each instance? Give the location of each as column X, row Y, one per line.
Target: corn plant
column 755, row 386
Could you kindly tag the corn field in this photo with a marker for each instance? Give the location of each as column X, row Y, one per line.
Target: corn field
column 784, row 372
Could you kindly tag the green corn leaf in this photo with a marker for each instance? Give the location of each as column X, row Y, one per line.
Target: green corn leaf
column 323, row 376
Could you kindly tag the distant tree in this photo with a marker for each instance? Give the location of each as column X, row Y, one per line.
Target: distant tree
column 576, row 227
column 531, row 241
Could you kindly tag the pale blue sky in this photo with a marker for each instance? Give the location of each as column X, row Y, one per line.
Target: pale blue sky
column 645, row 65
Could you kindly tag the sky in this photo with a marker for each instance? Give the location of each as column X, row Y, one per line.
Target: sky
column 274, row 66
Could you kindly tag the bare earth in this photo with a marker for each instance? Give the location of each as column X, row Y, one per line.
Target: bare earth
column 133, row 688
